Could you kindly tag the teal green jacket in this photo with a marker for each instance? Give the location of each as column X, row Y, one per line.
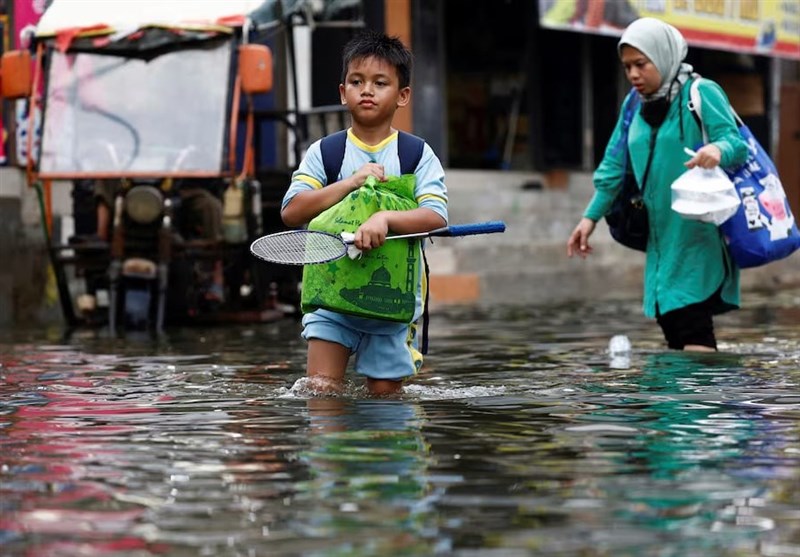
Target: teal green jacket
column 686, row 260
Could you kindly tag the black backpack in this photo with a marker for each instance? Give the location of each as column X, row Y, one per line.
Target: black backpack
column 409, row 150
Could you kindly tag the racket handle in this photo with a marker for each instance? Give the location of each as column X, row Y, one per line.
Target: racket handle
column 489, row 227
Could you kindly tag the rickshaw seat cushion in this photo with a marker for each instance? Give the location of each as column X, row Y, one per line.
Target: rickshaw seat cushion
column 137, row 267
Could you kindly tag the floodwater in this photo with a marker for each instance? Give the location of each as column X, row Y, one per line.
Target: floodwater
column 522, row 436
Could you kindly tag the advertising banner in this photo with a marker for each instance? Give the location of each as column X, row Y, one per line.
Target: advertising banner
column 26, row 15
column 766, row 27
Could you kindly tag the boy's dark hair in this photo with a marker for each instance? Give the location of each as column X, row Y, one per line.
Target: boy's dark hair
column 369, row 44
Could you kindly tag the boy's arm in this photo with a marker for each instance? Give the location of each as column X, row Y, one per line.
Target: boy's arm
column 306, row 205
column 372, row 234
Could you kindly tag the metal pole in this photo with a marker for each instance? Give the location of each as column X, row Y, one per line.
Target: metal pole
column 774, row 106
column 587, row 114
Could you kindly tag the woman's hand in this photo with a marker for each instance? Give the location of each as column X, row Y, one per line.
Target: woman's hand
column 578, row 242
column 708, row 156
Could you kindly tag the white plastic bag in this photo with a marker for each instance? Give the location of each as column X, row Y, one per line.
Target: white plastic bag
column 705, row 194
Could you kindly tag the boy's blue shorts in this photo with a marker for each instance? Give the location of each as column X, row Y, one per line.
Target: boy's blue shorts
column 391, row 356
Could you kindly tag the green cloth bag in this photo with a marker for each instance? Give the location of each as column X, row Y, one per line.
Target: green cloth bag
column 382, row 283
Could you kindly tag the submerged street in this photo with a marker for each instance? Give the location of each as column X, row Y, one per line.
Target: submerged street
column 521, row 436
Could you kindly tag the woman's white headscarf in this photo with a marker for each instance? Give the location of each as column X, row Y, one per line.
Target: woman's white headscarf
column 665, row 47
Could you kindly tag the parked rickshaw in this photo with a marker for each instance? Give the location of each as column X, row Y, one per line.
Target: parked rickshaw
column 156, row 106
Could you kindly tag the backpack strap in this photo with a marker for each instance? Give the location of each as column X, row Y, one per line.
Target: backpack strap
column 409, row 151
column 332, row 149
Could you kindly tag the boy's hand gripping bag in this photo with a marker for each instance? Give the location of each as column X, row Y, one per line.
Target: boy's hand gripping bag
column 382, row 282
column 763, row 228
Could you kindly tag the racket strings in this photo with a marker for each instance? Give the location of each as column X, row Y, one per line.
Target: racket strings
column 298, row 247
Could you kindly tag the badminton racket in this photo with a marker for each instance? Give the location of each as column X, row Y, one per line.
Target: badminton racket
column 310, row 247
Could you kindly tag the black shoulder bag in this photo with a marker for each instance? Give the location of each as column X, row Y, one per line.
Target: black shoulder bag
column 627, row 218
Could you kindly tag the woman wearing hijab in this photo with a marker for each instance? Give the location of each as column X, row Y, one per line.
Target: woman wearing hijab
column 688, row 276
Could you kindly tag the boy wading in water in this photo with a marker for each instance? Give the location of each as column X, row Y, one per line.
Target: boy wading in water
column 376, row 72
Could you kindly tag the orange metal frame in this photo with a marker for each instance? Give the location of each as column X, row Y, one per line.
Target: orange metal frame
column 5, row 33
column 33, row 176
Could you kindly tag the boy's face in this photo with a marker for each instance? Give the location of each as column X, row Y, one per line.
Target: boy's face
column 372, row 91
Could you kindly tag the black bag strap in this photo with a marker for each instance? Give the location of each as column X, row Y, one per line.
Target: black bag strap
column 425, row 312
column 653, row 137
column 630, row 107
column 409, row 151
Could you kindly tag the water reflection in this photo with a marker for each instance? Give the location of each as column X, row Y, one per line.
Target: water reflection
column 663, row 455
column 62, row 461
column 519, row 437
column 368, row 463
column 678, row 440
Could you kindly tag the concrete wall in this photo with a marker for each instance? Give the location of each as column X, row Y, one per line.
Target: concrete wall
column 23, row 258
column 528, row 263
